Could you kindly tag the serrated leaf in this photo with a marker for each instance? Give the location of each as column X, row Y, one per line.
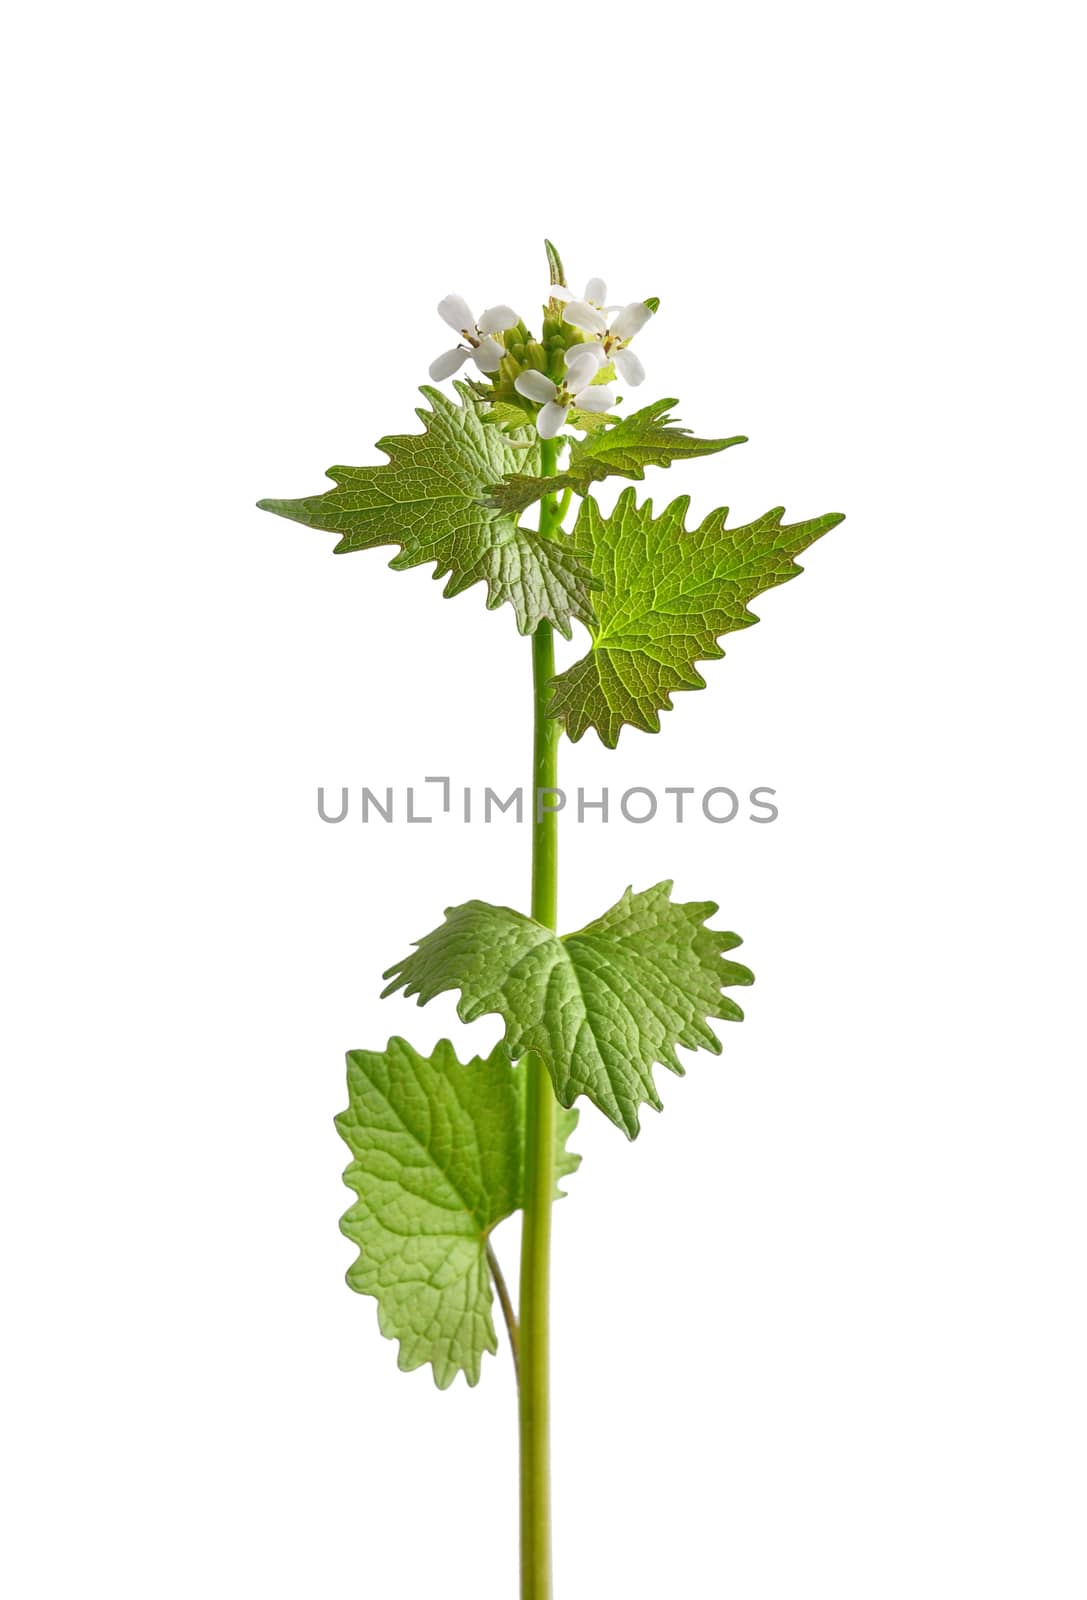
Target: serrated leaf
column 600, row 1007
column 437, row 1164
column 647, row 438
column 428, row 498
column 667, row 594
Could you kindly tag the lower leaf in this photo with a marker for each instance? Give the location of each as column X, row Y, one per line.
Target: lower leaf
column 437, row 1163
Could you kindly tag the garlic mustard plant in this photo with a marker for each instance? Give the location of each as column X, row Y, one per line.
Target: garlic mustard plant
column 442, row 1150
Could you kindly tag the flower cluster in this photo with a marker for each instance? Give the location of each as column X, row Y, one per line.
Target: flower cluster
column 610, row 328
column 585, row 347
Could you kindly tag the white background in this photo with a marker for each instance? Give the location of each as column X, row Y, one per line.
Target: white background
column 820, row 1332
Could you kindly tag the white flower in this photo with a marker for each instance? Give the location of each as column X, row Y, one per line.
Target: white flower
column 583, row 362
column 484, row 350
column 613, row 327
column 596, row 292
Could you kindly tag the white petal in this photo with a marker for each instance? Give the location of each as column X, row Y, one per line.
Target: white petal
column 598, row 398
column 559, row 291
column 596, row 290
column 535, row 385
column 551, row 419
column 450, row 362
column 498, row 319
column 629, row 367
column 580, row 314
column 488, row 357
column 456, row 312
column 582, row 365
column 591, row 347
column 632, row 318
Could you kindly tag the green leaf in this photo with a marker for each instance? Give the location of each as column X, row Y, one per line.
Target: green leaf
column 600, row 1007
column 647, row 438
column 428, row 499
column 437, row 1163
column 667, row 594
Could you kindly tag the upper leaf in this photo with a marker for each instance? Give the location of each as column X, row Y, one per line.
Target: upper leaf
column 666, row 595
column 429, row 499
column 437, row 1163
column 600, row 1007
column 647, row 438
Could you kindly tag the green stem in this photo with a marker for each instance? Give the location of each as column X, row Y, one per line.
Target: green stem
column 534, row 1319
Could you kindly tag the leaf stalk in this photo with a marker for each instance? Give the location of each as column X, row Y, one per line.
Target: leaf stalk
column 508, row 1314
